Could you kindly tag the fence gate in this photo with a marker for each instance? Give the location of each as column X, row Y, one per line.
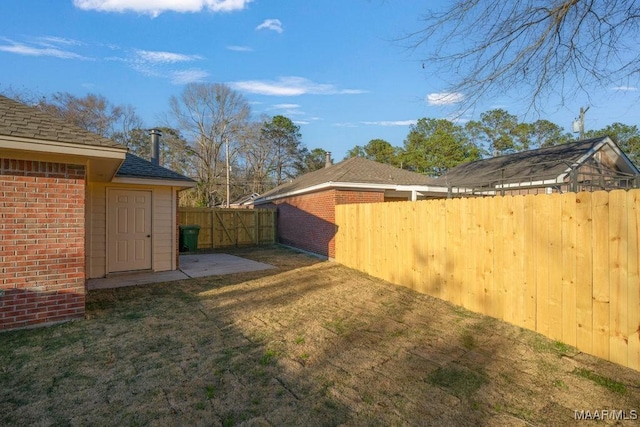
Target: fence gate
column 221, row 228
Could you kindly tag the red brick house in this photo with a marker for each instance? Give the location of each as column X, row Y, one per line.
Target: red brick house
column 74, row 206
column 306, row 205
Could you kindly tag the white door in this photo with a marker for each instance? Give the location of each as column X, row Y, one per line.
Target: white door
column 128, row 230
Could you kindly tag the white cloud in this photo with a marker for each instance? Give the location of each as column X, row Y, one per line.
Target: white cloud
column 271, row 24
column 291, row 86
column 27, row 50
column 625, row 88
column 53, row 41
column 286, row 106
column 444, row 98
column 345, row 125
column 188, row 76
column 163, row 64
column 156, row 7
column 392, row 123
column 160, row 57
column 240, row 48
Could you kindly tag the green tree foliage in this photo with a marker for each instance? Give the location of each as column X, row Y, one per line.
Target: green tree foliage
column 434, row 146
column 497, row 130
column 544, row 133
column 284, row 136
column 377, row 150
column 500, row 132
column 312, row 160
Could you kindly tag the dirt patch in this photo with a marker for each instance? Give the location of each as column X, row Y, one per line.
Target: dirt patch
column 309, row 343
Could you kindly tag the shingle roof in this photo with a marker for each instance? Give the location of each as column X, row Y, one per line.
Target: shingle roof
column 354, row 170
column 540, row 164
column 19, row 120
column 136, row 167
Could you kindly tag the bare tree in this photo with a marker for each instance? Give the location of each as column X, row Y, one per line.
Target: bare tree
column 210, row 115
column 567, row 46
column 258, row 155
column 92, row 112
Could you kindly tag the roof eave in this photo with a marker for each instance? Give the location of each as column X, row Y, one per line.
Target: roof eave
column 352, row 185
column 153, row 181
column 55, row 147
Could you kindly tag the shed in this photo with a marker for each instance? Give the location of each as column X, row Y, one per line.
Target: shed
column 73, row 206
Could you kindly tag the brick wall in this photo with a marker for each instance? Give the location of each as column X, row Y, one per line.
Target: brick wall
column 345, row 197
column 42, row 240
column 308, row 221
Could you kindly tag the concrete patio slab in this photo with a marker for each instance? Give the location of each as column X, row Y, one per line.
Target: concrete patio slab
column 191, row 266
column 203, row 265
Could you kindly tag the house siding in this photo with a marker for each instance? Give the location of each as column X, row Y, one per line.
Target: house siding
column 163, row 217
column 42, row 232
column 308, row 221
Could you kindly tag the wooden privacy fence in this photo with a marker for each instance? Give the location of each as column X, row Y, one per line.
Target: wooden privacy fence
column 230, row 227
column 564, row 265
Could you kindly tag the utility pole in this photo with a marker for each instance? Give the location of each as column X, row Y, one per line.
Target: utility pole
column 226, row 146
column 578, row 124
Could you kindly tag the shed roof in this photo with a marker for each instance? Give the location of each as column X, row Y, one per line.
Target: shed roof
column 137, row 167
column 355, row 170
column 21, row 121
column 541, row 164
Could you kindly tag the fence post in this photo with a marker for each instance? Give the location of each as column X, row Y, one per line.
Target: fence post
column 573, row 176
column 213, row 229
column 256, row 225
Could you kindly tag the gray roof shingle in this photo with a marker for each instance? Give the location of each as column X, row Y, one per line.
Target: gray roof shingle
column 543, row 163
column 136, row 167
column 19, row 120
column 22, row 121
column 354, row 170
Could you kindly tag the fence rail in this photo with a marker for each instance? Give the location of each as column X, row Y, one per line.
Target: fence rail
column 565, row 265
column 230, row 227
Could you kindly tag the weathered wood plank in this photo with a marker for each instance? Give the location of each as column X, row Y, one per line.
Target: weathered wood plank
column 230, row 227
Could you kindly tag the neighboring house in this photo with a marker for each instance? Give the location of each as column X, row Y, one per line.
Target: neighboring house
column 75, row 206
column 245, row 202
column 588, row 165
column 306, row 205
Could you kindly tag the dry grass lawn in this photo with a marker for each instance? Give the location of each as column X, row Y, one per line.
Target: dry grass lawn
column 310, row 343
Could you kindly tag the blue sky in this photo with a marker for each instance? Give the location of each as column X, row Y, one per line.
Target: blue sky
column 334, row 67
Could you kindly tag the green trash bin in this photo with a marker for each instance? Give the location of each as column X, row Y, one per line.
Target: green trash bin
column 189, row 238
